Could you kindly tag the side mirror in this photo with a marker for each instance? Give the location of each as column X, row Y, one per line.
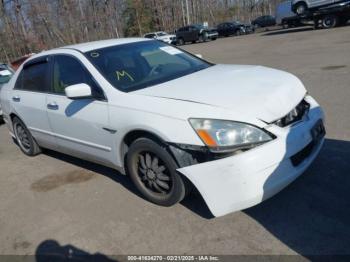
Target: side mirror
column 199, row 55
column 78, row 91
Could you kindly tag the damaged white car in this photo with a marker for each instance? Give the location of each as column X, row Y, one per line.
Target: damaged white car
column 168, row 119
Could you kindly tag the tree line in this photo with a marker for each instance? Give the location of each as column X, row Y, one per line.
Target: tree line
column 29, row 26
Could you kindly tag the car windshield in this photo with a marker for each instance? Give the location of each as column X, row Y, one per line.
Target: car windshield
column 161, row 34
column 200, row 26
column 138, row 65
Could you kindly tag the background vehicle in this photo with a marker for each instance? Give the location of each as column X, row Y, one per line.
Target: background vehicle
column 328, row 16
column 233, row 28
column 194, row 33
column 300, row 7
column 229, row 28
column 264, row 21
column 6, row 73
column 285, row 16
column 162, row 36
column 246, row 28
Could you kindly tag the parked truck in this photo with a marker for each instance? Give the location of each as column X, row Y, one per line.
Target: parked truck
column 285, row 15
column 325, row 16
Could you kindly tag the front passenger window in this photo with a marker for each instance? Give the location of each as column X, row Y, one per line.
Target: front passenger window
column 68, row 71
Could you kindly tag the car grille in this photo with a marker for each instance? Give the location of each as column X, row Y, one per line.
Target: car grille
column 295, row 115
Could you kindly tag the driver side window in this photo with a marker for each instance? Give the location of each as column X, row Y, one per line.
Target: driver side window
column 68, row 71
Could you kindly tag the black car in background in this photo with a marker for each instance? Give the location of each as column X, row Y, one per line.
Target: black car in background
column 234, row 28
column 229, row 28
column 245, row 28
column 194, row 33
column 264, row 21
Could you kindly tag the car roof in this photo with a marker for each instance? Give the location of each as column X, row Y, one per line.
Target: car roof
column 89, row 46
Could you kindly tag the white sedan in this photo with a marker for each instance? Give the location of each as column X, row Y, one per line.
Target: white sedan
column 162, row 36
column 168, row 119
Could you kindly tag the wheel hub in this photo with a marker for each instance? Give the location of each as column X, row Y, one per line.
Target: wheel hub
column 23, row 137
column 151, row 175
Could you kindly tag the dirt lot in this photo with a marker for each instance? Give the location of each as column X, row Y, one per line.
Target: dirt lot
column 56, row 197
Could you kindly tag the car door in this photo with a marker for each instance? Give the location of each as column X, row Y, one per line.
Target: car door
column 231, row 29
column 80, row 126
column 194, row 33
column 225, row 29
column 220, row 29
column 187, row 34
column 29, row 99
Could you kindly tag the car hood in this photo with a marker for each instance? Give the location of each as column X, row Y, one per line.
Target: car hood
column 264, row 93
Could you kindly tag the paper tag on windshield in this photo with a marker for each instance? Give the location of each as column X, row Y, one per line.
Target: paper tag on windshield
column 5, row 73
column 171, row 50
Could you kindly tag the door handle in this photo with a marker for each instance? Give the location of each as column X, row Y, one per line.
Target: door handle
column 16, row 99
column 52, row 106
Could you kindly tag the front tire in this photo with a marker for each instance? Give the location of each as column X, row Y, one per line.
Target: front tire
column 180, row 41
column 153, row 171
column 203, row 37
column 24, row 139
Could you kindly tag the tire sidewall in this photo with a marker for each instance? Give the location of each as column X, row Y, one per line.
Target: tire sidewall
column 31, row 151
column 177, row 192
column 332, row 24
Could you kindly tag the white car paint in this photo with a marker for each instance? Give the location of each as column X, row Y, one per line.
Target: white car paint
column 163, row 36
column 316, row 3
column 249, row 94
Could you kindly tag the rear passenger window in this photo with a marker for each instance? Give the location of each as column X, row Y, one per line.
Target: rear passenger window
column 34, row 78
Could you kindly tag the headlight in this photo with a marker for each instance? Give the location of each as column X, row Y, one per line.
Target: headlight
column 224, row 135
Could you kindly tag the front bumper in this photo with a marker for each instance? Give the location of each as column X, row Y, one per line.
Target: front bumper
column 169, row 41
column 246, row 179
column 213, row 35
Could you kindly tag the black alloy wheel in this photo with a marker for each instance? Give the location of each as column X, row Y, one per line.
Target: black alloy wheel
column 153, row 174
column 152, row 169
column 24, row 139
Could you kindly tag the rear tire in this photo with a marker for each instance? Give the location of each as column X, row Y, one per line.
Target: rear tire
column 153, row 171
column 24, row 138
column 330, row 21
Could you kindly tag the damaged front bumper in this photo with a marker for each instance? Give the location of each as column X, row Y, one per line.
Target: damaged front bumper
column 246, row 179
